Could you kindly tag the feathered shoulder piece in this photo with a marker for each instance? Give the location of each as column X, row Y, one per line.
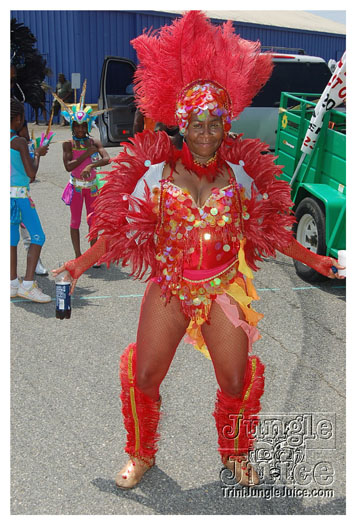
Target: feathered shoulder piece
column 128, row 222
column 268, row 218
column 193, row 48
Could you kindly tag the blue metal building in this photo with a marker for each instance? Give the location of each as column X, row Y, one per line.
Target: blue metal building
column 78, row 41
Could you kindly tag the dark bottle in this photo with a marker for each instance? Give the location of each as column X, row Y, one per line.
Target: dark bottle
column 63, row 299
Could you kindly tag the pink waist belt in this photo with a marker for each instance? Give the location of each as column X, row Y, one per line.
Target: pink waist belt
column 205, row 275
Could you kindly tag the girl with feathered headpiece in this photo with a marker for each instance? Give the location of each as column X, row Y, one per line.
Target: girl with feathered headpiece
column 198, row 219
column 81, row 156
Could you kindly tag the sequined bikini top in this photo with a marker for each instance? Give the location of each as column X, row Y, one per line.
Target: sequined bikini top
column 199, row 238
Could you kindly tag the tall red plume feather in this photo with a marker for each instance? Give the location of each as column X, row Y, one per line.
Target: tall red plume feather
column 192, row 48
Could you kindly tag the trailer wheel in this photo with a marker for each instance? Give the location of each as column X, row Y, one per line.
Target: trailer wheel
column 309, row 230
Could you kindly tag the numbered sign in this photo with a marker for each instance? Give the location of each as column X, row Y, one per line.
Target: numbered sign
column 334, row 94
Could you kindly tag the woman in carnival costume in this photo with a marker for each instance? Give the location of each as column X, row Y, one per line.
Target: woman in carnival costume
column 81, row 156
column 197, row 220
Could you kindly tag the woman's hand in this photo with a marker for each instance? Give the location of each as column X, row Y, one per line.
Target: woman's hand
column 41, row 151
column 62, row 269
column 336, row 266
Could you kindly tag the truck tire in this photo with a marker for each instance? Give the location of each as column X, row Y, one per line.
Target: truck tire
column 309, row 230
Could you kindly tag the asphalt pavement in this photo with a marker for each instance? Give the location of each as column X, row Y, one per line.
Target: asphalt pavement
column 67, row 436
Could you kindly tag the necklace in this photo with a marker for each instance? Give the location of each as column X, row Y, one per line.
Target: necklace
column 210, row 169
column 208, row 163
column 81, row 141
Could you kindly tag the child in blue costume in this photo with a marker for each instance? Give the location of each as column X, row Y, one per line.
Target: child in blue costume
column 23, row 171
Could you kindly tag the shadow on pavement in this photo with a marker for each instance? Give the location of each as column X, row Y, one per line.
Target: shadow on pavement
column 160, row 493
column 336, row 287
column 114, row 273
column 81, row 296
column 48, row 310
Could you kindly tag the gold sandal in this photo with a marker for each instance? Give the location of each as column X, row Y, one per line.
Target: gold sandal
column 243, row 471
column 132, row 473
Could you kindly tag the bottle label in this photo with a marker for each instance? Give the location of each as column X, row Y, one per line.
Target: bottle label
column 31, row 149
column 62, row 296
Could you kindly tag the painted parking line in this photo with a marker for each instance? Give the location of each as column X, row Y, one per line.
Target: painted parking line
column 316, row 287
column 267, row 289
column 110, row 296
column 132, row 296
column 83, row 297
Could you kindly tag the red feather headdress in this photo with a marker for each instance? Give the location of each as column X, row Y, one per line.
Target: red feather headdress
column 192, row 48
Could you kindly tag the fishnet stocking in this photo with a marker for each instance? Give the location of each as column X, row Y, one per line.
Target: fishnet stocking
column 228, row 348
column 160, row 330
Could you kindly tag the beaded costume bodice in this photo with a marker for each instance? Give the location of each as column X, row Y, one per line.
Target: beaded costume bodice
column 204, row 239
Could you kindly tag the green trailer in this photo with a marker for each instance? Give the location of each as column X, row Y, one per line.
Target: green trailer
column 318, row 180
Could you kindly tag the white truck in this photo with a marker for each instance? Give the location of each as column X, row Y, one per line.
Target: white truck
column 291, row 73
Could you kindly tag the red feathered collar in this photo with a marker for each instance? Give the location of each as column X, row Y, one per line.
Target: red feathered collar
column 210, row 170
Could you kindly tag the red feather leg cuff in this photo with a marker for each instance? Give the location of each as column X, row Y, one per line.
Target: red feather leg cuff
column 237, row 418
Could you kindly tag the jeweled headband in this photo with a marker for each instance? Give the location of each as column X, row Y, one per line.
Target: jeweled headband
column 202, row 97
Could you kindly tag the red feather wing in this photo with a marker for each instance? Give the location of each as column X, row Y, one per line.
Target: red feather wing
column 129, row 223
column 270, row 218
